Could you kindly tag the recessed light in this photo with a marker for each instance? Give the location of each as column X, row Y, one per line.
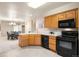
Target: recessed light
column 35, row 4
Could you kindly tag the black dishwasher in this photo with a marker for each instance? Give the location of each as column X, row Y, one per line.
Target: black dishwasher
column 45, row 41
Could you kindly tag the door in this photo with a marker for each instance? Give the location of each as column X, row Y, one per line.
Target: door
column 54, row 21
column 70, row 14
column 31, row 40
column 37, row 40
column 47, row 22
column 66, row 47
column 23, row 40
column 61, row 16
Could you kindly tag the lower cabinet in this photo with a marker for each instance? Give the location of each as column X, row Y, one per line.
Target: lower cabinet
column 37, row 40
column 52, row 47
column 29, row 40
column 23, row 40
column 52, row 43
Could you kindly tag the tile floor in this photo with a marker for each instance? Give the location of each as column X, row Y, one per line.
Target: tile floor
column 10, row 48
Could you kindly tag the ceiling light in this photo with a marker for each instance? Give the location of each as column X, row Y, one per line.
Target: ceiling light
column 36, row 4
column 12, row 23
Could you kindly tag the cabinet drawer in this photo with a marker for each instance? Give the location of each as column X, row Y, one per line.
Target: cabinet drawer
column 23, row 37
column 52, row 47
column 52, row 37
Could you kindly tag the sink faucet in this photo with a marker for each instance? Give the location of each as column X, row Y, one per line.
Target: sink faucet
column 51, row 32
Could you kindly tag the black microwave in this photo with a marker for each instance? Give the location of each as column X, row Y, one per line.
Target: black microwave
column 69, row 23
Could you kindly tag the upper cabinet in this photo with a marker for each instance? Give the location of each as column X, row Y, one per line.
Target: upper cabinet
column 47, row 22
column 52, row 21
column 61, row 16
column 71, row 14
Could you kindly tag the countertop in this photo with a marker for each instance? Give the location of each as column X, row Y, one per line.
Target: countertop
column 39, row 33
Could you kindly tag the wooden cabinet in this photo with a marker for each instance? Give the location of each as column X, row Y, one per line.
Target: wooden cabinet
column 78, row 19
column 52, row 47
column 51, row 22
column 23, row 40
column 31, row 40
column 52, row 43
column 47, row 22
column 37, row 40
column 54, row 21
column 70, row 14
column 34, row 39
column 61, row 16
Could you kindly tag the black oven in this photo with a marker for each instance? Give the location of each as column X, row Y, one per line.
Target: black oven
column 69, row 23
column 67, row 45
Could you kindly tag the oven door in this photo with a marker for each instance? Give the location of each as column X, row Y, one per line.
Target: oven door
column 66, row 48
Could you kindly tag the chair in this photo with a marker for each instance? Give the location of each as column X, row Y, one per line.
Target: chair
column 8, row 36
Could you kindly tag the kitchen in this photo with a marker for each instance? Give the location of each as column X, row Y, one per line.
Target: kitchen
column 55, row 29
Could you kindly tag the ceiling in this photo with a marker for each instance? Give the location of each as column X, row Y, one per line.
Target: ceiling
column 20, row 10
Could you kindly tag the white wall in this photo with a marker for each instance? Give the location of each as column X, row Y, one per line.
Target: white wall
column 5, row 27
column 27, row 25
column 62, row 8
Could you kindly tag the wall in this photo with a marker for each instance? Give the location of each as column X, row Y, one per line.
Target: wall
column 62, row 8
column 27, row 25
column 5, row 27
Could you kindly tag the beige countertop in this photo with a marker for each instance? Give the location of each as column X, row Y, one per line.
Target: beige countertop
column 40, row 34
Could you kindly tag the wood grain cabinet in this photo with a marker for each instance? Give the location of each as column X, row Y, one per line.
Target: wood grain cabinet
column 52, row 43
column 54, row 21
column 51, row 22
column 61, row 16
column 31, row 40
column 70, row 14
column 47, row 22
column 23, row 40
column 37, row 40
column 78, row 19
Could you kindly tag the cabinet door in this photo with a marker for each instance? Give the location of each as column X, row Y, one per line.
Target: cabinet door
column 71, row 14
column 52, row 47
column 23, row 40
column 37, row 40
column 52, row 40
column 31, row 40
column 52, row 43
column 47, row 22
column 77, row 24
column 61, row 16
column 54, row 22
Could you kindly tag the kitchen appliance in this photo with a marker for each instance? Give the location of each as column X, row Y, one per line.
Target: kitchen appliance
column 45, row 41
column 67, row 44
column 69, row 23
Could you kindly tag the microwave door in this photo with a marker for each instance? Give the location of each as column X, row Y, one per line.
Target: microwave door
column 67, row 24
